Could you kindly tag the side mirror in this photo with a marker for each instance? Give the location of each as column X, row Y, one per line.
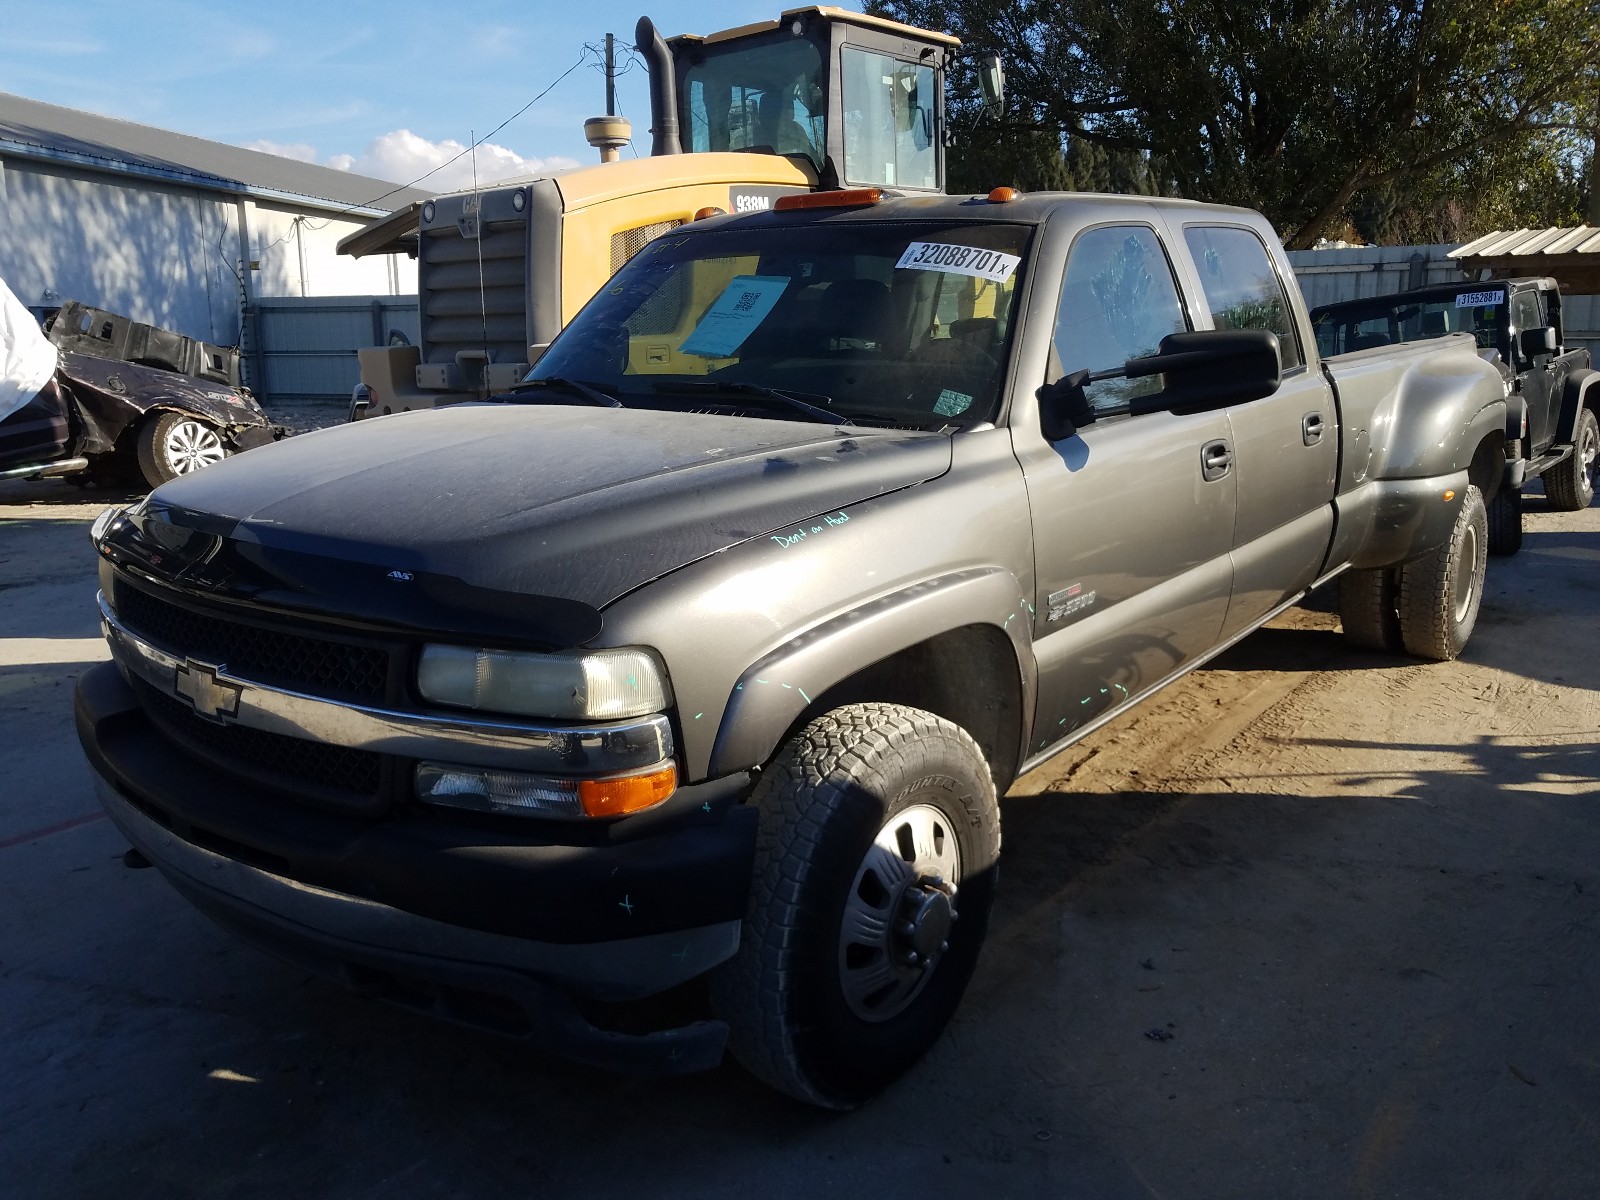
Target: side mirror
column 1210, row 368
column 1536, row 341
column 992, row 83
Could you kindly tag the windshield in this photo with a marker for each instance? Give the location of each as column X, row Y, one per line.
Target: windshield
column 768, row 98
column 886, row 323
column 1478, row 311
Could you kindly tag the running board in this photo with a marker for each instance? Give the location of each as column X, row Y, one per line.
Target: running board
column 1545, row 461
column 44, row 471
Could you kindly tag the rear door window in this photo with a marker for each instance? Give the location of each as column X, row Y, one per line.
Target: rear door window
column 1241, row 288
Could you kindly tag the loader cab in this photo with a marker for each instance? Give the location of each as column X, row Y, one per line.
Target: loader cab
column 860, row 98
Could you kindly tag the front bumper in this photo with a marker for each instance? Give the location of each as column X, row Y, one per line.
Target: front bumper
column 249, row 437
column 481, row 925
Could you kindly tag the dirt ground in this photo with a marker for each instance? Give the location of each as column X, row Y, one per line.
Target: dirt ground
column 1314, row 922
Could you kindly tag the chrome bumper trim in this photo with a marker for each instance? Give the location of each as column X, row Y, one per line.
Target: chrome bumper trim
column 570, row 750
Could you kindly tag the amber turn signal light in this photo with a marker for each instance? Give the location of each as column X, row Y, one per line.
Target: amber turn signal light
column 630, row 794
column 848, row 198
column 710, row 210
column 1003, row 195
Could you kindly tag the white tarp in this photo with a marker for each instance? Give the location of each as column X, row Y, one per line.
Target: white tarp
column 27, row 357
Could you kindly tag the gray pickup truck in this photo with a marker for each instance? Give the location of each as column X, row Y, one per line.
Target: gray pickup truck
column 693, row 670
column 1552, row 431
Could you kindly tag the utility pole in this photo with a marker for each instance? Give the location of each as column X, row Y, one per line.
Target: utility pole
column 610, row 133
column 611, row 75
column 1593, row 216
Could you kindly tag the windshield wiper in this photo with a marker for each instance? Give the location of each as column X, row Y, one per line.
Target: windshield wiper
column 587, row 390
column 794, row 401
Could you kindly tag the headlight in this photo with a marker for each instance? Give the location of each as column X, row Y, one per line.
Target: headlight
column 596, row 686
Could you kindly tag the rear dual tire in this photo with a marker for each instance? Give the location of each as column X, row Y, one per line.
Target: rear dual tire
column 1504, row 514
column 1427, row 607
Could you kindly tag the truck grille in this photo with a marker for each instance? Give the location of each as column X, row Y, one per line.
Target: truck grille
column 352, row 775
column 320, row 666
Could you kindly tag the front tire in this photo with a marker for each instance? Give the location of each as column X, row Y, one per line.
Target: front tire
column 176, row 444
column 875, row 873
column 1441, row 591
column 1569, row 485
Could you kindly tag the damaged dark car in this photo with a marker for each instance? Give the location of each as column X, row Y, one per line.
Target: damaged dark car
column 104, row 399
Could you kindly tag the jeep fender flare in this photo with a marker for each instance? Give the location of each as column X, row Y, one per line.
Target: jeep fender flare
column 773, row 693
column 1581, row 390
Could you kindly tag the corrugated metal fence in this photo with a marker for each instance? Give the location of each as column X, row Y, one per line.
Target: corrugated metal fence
column 301, row 352
column 1328, row 276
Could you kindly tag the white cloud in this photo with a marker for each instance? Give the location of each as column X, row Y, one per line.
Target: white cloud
column 303, row 151
column 402, row 156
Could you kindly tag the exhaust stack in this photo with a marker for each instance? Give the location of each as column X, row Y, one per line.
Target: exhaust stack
column 663, row 88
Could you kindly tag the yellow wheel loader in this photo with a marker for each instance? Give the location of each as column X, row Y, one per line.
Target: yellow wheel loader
column 820, row 98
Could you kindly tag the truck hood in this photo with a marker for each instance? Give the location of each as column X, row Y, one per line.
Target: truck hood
column 487, row 507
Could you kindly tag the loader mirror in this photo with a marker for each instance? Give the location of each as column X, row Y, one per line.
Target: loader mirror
column 992, row 83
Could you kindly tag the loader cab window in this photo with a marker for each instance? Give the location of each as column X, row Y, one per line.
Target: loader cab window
column 767, row 98
column 889, row 135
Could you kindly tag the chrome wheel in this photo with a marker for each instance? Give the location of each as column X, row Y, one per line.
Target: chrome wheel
column 899, row 913
column 1589, row 453
column 190, row 445
column 1465, row 585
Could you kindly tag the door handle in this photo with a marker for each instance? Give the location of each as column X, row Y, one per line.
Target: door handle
column 1311, row 428
column 1216, row 459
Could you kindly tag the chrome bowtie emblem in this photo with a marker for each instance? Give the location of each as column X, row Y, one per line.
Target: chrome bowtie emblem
column 211, row 697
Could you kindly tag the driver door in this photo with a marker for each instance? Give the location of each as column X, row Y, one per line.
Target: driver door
column 1132, row 515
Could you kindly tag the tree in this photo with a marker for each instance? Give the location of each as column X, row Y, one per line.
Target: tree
column 1297, row 107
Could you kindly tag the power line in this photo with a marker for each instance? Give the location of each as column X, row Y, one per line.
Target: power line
column 582, row 56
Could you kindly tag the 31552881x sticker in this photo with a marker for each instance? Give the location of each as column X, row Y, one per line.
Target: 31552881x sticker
column 994, row 265
column 1479, row 299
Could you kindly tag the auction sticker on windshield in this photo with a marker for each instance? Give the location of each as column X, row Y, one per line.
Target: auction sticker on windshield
column 743, row 305
column 958, row 260
column 1479, row 299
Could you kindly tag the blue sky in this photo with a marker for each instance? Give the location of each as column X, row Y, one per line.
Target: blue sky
column 338, row 83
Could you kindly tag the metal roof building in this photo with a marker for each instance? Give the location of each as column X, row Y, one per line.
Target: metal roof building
column 1569, row 256
column 177, row 230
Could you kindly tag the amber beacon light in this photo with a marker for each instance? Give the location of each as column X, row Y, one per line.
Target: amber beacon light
column 848, row 198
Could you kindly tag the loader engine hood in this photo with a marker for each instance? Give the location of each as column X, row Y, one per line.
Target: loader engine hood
column 520, row 521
